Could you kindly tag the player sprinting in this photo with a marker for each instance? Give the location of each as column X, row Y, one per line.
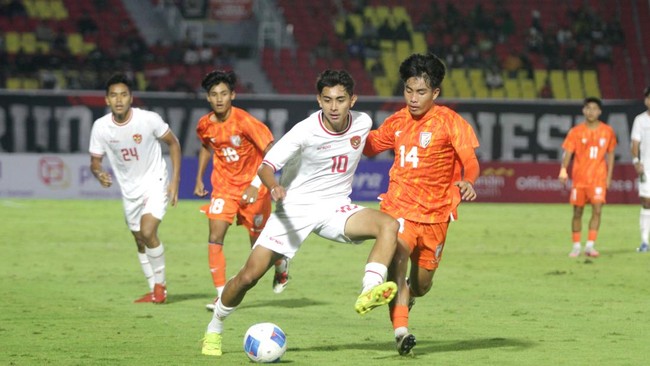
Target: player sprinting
column 318, row 158
column 432, row 145
column 130, row 138
column 237, row 141
column 591, row 144
column 640, row 158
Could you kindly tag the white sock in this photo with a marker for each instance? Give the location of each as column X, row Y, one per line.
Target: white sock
column 146, row 269
column 401, row 331
column 220, row 314
column 157, row 259
column 576, row 245
column 589, row 244
column 220, row 290
column 282, row 267
column 374, row 275
column 644, row 224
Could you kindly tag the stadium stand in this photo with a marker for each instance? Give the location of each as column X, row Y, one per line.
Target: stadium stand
column 540, row 48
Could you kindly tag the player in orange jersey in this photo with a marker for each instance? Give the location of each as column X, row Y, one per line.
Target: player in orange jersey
column 237, row 141
column 435, row 167
column 592, row 145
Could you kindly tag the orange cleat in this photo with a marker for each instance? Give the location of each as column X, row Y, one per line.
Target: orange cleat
column 159, row 294
column 148, row 297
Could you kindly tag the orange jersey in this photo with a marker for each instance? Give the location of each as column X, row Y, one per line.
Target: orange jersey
column 426, row 162
column 238, row 145
column 589, row 147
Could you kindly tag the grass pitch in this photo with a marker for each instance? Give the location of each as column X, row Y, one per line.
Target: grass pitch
column 506, row 293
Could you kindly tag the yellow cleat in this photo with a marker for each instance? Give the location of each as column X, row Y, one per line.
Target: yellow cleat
column 376, row 296
column 212, row 344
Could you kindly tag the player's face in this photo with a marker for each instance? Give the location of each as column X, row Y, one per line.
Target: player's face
column 591, row 111
column 119, row 99
column 220, row 98
column 419, row 96
column 336, row 104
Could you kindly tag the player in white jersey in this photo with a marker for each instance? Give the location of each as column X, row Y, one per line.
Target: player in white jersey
column 641, row 160
column 318, row 157
column 130, row 138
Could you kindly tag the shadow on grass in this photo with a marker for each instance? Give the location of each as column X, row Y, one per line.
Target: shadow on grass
column 285, row 303
column 424, row 346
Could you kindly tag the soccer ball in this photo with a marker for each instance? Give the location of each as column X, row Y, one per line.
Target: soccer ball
column 265, row 342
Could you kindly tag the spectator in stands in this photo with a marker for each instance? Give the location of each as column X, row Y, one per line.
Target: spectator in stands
column 14, row 8
column 385, row 30
column 402, row 32
column 546, row 92
column 493, row 78
column 44, row 32
column 86, row 24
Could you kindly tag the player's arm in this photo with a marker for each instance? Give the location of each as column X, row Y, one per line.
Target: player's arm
column 175, row 154
column 102, row 176
column 266, row 173
column 636, row 151
column 378, row 141
column 204, row 158
column 566, row 159
column 252, row 191
column 471, row 171
column 610, row 167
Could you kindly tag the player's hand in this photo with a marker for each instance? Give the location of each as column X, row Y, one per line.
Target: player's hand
column 105, row 179
column 278, row 193
column 563, row 176
column 199, row 189
column 249, row 195
column 639, row 168
column 467, row 191
column 172, row 193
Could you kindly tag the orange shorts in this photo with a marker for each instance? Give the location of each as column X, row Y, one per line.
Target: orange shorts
column 425, row 240
column 592, row 194
column 253, row 216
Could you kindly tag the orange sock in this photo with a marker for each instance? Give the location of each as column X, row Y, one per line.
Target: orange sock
column 576, row 237
column 399, row 315
column 217, row 263
column 592, row 235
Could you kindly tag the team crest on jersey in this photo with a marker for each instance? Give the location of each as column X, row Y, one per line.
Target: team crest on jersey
column 137, row 138
column 355, row 141
column 425, row 138
column 584, row 140
column 602, row 141
column 235, row 140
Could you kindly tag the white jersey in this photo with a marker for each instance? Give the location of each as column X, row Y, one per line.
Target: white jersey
column 132, row 148
column 317, row 164
column 641, row 133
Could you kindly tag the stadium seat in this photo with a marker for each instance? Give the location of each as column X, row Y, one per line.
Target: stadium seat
column 12, row 42
column 590, row 80
column 558, row 84
column 419, row 43
column 574, row 83
column 28, row 42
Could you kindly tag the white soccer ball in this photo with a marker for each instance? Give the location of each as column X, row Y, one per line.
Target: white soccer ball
column 265, row 342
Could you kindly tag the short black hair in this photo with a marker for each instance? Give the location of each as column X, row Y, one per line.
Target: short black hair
column 429, row 67
column 118, row 78
column 216, row 77
column 593, row 100
column 331, row 78
column 646, row 91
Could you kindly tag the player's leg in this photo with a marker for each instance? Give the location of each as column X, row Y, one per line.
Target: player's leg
column 155, row 251
column 399, row 307
column 132, row 213
column 594, row 225
column 365, row 224
column 577, row 201
column 644, row 217
column 259, row 261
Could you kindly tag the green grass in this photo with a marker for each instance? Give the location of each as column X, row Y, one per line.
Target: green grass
column 506, row 293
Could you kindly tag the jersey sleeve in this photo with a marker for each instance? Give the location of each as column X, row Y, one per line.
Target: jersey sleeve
column 95, row 146
column 258, row 133
column 612, row 141
column 160, row 127
column 381, row 139
column 462, row 135
column 283, row 150
column 569, row 141
column 636, row 129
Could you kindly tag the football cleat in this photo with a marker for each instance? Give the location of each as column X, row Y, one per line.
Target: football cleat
column 574, row 253
column 148, row 297
column 379, row 295
column 405, row 343
column 212, row 344
column 159, row 294
column 643, row 248
column 281, row 279
column 591, row 253
column 212, row 305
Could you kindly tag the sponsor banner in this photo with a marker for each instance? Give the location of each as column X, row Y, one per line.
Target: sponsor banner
column 67, row 176
column 537, row 182
column 231, row 10
column 532, row 131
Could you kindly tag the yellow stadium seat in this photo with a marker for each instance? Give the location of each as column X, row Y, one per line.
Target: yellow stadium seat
column 390, row 65
column 590, row 80
column 476, row 77
column 31, row 84
column 43, row 9
column 370, row 12
column 464, row 90
column 511, row 87
column 400, row 13
column 558, row 84
column 419, row 43
column 339, row 26
column 61, row 81
column 357, row 23
column 540, row 78
column 59, row 10
column 28, row 42
column 481, row 92
column 383, row 86
column 14, row 83
column 386, row 45
column 574, row 83
column 12, row 42
column 528, row 90
column 30, row 7
column 75, row 43
column 383, row 13
column 402, row 50
column 498, row 93
column 44, row 47
column 447, row 89
column 141, row 80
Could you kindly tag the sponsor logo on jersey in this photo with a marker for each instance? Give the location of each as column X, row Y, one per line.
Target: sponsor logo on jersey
column 324, row 147
column 235, row 140
column 355, row 141
column 425, row 139
column 137, row 138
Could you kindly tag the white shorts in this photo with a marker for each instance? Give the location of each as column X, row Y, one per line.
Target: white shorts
column 153, row 202
column 289, row 225
column 644, row 188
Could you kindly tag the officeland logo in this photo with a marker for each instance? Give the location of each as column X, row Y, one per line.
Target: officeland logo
column 54, row 172
column 425, row 139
